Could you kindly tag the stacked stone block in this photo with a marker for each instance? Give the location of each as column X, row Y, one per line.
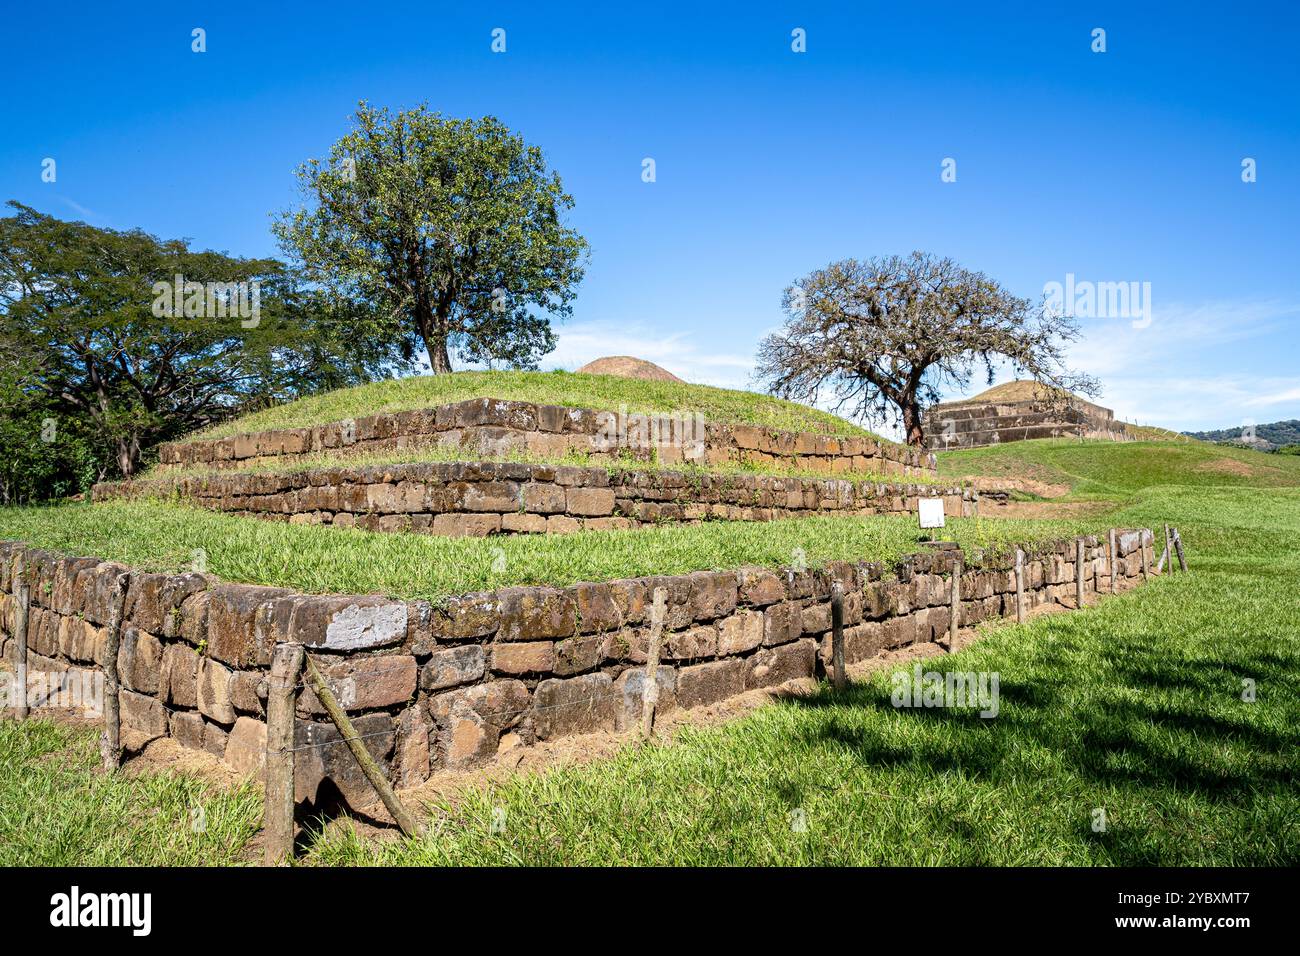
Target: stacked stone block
column 496, row 428
column 482, row 498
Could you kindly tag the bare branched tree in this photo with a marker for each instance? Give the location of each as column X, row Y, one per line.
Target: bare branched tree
column 883, row 337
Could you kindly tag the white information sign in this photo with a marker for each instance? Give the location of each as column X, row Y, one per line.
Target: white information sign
column 931, row 511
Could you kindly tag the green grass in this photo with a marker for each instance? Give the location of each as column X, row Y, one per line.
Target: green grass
column 602, row 392
column 161, row 536
column 58, row 807
column 1099, row 469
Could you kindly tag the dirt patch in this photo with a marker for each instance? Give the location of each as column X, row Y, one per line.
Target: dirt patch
column 1228, row 466
column 1042, row 509
column 1033, row 486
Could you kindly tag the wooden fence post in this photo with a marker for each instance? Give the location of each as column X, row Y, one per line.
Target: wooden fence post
column 650, row 691
column 1079, row 594
column 405, row 819
column 954, row 615
column 281, row 701
column 1114, row 562
column 1178, row 547
column 837, row 635
column 110, row 744
column 1142, row 546
column 24, row 595
column 1168, row 553
column 1020, row 586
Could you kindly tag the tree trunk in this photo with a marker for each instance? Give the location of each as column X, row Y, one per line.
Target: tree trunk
column 914, row 434
column 128, row 454
column 439, row 360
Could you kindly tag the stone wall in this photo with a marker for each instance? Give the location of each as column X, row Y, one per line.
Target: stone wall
column 495, row 428
column 481, row 498
column 977, row 424
column 449, row 685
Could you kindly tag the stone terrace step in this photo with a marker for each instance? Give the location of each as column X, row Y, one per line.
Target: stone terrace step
column 497, row 428
column 482, row 498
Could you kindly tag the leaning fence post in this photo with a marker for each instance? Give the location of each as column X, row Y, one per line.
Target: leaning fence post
column 24, row 596
column 405, row 819
column 1078, row 572
column 281, row 701
column 1114, row 562
column 837, row 635
column 1020, row 586
column 650, row 692
column 110, row 744
column 1178, row 547
column 954, row 615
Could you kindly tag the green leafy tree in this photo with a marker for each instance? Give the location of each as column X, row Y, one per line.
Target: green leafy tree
column 448, row 230
column 135, row 340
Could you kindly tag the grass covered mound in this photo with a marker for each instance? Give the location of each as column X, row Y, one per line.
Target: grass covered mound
column 601, row 392
column 159, row 536
column 1100, row 469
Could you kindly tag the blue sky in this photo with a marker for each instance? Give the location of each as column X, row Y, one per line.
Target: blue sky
column 1115, row 166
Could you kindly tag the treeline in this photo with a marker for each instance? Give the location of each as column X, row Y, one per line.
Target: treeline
column 1277, row 435
column 113, row 341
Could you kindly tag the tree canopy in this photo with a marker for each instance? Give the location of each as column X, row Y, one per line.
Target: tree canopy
column 448, row 230
column 130, row 340
column 884, row 336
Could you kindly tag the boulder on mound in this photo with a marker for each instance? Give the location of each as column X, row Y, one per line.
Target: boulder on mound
column 626, row 366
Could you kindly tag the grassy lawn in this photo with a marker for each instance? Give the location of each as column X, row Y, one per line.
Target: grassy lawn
column 602, row 392
column 57, row 807
column 1100, row 469
column 162, row 536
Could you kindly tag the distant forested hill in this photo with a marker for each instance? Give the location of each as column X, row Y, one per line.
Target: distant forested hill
column 1277, row 433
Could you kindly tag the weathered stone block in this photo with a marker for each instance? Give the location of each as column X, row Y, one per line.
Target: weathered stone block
column 325, row 756
column 523, row 657
column 143, row 717
column 704, row 684
column 577, row 654
column 471, row 720
column 782, row 623
column 214, row 691
column 629, row 695
column 776, row 665
column 536, row 612
column 452, row 666
column 742, row 631
column 246, row 746
column 760, row 587
column 573, row 706
column 178, row 676
column 365, row 683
